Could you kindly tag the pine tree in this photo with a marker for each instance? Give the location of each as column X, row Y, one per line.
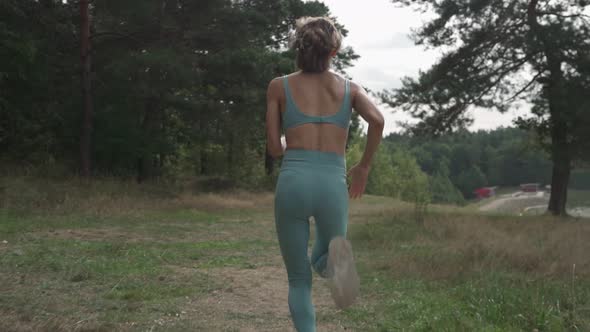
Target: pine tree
column 497, row 52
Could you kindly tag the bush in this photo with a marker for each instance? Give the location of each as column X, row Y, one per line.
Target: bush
column 443, row 191
column 469, row 180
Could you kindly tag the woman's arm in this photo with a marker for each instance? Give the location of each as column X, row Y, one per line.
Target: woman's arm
column 368, row 110
column 273, row 119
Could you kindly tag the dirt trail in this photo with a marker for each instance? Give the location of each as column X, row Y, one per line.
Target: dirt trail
column 260, row 295
column 527, row 203
column 515, row 203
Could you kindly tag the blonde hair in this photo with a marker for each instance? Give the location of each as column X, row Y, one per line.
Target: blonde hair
column 315, row 39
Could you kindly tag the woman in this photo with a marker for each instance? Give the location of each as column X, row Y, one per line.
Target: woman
column 313, row 106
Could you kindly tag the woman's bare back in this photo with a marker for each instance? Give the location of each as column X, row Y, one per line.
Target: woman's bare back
column 316, row 95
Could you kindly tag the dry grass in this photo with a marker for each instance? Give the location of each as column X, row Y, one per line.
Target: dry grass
column 224, row 243
column 542, row 246
column 453, row 245
column 230, row 200
column 111, row 197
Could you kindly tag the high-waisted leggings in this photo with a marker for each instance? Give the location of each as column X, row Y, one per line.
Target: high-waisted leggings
column 310, row 184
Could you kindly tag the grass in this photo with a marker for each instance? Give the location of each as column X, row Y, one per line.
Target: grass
column 470, row 273
column 109, row 256
column 577, row 198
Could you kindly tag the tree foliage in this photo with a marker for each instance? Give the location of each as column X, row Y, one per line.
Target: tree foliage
column 459, row 163
column 395, row 173
column 178, row 86
column 499, row 52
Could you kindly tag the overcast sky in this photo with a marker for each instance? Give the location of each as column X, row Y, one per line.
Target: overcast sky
column 378, row 33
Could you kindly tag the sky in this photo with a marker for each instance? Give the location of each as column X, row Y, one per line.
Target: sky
column 378, row 31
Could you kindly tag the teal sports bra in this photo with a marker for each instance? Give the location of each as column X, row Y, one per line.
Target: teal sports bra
column 293, row 117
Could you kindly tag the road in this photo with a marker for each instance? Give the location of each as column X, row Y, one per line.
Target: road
column 527, row 203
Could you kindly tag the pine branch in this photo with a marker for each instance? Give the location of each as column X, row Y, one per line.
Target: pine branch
column 526, row 87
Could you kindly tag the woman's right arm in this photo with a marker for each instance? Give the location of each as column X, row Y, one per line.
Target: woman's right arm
column 368, row 110
column 274, row 144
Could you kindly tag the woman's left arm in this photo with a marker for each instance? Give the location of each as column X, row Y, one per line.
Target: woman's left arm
column 273, row 119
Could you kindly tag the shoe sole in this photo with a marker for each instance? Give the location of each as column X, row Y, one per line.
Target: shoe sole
column 344, row 281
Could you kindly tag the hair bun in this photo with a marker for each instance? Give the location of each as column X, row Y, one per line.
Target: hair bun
column 315, row 39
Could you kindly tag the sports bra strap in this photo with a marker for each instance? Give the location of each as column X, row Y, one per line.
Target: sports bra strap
column 293, row 117
column 288, row 97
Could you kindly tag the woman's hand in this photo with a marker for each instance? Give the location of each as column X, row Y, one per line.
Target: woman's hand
column 358, row 180
column 283, row 143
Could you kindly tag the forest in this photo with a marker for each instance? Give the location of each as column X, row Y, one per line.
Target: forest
column 174, row 88
column 170, row 90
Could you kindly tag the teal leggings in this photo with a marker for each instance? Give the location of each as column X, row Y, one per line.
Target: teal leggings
column 310, row 184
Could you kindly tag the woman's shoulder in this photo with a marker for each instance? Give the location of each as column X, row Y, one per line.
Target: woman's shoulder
column 353, row 85
column 280, row 78
column 278, row 81
column 276, row 86
column 355, row 88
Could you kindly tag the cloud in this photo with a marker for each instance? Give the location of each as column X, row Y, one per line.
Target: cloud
column 378, row 32
column 397, row 40
column 381, row 69
column 376, row 78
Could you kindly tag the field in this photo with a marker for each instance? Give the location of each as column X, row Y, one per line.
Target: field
column 577, row 198
column 511, row 201
column 106, row 256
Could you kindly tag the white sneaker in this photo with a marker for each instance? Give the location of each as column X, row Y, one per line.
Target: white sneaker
column 344, row 281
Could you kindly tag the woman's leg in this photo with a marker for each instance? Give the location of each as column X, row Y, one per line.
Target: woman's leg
column 292, row 225
column 332, row 254
column 331, row 219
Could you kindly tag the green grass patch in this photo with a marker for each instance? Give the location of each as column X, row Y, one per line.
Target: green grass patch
column 153, row 223
column 578, row 198
column 494, row 302
column 100, row 259
column 189, row 216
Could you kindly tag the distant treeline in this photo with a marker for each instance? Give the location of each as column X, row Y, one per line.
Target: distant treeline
column 458, row 164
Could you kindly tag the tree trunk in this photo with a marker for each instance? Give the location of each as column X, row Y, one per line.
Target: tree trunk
column 149, row 128
column 86, row 133
column 559, row 185
column 203, row 135
column 561, row 169
column 230, row 154
column 560, row 152
column 204, row 162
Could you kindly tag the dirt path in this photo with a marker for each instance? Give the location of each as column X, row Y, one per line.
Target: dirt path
column 580, row 212
column 261, row 296
column 515, row 203
column 524, row 203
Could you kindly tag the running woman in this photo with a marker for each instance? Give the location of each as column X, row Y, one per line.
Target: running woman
column 313, row 107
